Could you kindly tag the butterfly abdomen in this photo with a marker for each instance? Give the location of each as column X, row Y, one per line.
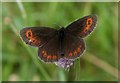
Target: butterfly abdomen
column 61, row 34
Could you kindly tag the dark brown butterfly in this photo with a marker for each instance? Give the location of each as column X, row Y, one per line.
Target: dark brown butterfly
column 63, row 43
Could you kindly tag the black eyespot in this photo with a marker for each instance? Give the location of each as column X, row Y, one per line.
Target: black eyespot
column 29, row 34
column 89, row 22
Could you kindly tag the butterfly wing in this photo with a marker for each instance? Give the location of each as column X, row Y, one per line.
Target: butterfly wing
column 49, row 52
column 37, row 36
column 73, row 46
column 82, row 27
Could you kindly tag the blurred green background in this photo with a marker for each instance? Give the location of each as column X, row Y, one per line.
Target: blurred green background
column 20, row 62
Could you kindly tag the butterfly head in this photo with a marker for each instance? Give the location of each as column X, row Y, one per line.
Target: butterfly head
column 62, row 29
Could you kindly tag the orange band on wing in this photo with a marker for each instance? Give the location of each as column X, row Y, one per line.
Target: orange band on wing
column 47, row 56
column 54, row 57
column 29, row 33
column 44, row 54
column 75, row 52
column 70, row 54
column 30, row 36
column 88, row 24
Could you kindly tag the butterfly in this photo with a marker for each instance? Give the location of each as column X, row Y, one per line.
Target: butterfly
column 67, row 42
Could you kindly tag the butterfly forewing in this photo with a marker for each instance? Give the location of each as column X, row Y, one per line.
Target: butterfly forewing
column 82, row 27
column 36, row 36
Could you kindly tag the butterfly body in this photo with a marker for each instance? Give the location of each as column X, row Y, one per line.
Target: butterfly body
column 61, row 34
column 66, row 42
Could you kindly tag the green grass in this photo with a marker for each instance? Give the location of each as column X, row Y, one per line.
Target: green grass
column 20, row 62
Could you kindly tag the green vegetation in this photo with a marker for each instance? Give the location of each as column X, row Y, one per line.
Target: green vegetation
column 98, row 62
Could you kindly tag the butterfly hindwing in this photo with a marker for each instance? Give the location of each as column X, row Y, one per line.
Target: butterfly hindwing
column 49, row 52
column 82, row 27
column 73, row 46
column 36, row 36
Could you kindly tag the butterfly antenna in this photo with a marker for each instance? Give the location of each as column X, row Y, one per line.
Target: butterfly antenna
column 57, row 26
